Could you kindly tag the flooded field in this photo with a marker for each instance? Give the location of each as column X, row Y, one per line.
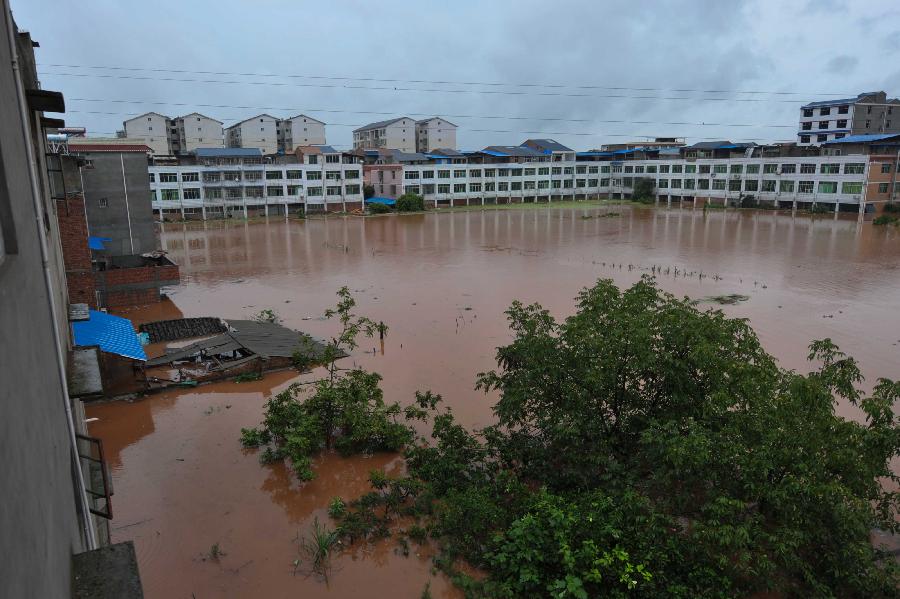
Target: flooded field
column 441, row 283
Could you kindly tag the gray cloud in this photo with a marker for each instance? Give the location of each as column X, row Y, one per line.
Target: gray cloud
column 666, row 45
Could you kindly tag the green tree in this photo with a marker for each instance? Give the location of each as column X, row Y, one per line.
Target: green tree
column 410, row 202
column 368, row 191
column 344, row 410
column 644, row 190
column 643, row 446
column 378, row 208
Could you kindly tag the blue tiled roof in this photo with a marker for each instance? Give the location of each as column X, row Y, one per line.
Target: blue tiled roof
column 223, row 152
column 113, row 334
column 96, row 243
column 861, row 139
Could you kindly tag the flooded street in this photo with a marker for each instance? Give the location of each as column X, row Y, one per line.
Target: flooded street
column 441, row 283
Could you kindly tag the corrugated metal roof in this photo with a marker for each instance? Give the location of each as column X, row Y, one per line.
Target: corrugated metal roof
column 593, row 154
column 385, row 201
column 225, row 152
column 380, row 124
column 861, row 139
column 521, row 151
column 76, row 148
column 112, row 334
column 840, row 101
column 548, row 144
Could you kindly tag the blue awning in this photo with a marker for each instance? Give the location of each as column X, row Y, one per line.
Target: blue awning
column 385, row 201
column 96, row 243
column 112, row 334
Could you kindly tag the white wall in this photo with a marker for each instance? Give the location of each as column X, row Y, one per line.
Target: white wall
column 152, row 129
column 258, row 132
column 303, row 131
column 200, row 131
column 435, row 134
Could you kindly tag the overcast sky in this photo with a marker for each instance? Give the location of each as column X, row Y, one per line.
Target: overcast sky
column 570, row 54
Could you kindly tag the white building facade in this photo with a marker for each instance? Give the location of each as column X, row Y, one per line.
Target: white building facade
column 242, row 180
column 153, row 129
column 196, row 130
column 394, row 134
column 300, row 130
column 868, row 113
column 260, row 132
column 434, row 134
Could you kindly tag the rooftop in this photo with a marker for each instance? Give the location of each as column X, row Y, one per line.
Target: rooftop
column 862, row 139
column 517, row 151
column 550, row 145
column 839, row 101
column 380, row 124
column 84, row 144
column 226, row 152
column 111, row 334
column 253, row 118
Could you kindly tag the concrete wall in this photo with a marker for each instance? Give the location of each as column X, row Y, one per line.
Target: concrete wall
column 104, row 181
column 39, row 516
column 300, row 130
column 152, row 129
column 434, row 134
column 259, row 132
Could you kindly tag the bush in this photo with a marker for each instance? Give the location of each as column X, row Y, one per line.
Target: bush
column 410, row 202
column 643, row 190
column 892, row 207
column 368, row 191
column 376, row 208
column 886, row 219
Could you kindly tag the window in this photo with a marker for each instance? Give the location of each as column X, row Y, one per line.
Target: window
column 443, row 188
column 807, row 126
column 885, row 167
column 294, row 175
column 604, row 182
column 830, row 169
column 427, row 174
column 593, row 170
column 351, row 189
column 807, row 112
column 168, row 177
column 314, row 191
column 332, row 175
column 427, row 189
column 825, row 111
column 529, row 172
column 459, row 188
column 807, row 169
column 314, row 159
column 751, row 185
column 734, row 185
column 274, row 191
column 676, row 183
column 333, row 159
column 543, row 171
column 167, row 194
column 804, row 139
column 704, row 169
column 230, row 177
column 868, row 111
column 663, row 168
column 851, row 187
column 192, row 194
column 629, row 168
column 718, row 184
column 333, row 190
column 592, row 182
column 475, row 172
column 720, row 168
column 805, row 187
column 503, row 186
column 489, row 172
column 821, row 138
column 475, row 187
column 768, row 185
column 855, row 168
column 662, row 183
column 314, row 175
column 827, row 186
column 604, row 169
column 786, row 186
column 787, row 169
column 823, row 124
column 752, row 169
column 443, row 174
column 153, row 177
column 104, row 203
column 578, row 183
column 702, row 183
column 294, row 190
column 213, row 193
column 843, row 109
column 689, row 183
column 459, row 174
column 543, row 184
column 842, row 124
column 503, row 172
column 883, row 187
column 411, row 189
column 568, row 170
column 770, row 168
column 557, row 170
column 688, row 169
column 411, row 175
column 567, row 184
column 651, row 168
column 868, row 122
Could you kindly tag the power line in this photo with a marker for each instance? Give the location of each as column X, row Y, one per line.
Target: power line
column 419, row 89
column 453, row 116
column 440, row 82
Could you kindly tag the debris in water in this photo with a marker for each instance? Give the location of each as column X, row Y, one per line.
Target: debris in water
column 731, row 299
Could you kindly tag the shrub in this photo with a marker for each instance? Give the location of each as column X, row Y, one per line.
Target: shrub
column 644, row 190
column 885, row 219
column 377, row 208
column 410, row 202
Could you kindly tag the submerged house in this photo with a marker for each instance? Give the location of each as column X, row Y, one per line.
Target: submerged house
column 107, row 354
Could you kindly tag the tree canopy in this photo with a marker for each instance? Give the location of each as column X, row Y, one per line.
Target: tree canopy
column 643, row 447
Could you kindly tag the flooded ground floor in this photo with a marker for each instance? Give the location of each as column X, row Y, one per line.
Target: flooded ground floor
column 441, row 282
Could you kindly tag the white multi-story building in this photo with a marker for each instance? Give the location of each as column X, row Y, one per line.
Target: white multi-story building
column 867, row 113
column 196, row 130
column 300, row 130
column 393, row 134
column 435, row 133
column 260, row 132
column 153, row 129
column 167, row 137
column 221, row 181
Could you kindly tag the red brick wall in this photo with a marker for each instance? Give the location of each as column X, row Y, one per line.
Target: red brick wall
column 110, row 279
column 73, row 234
column 136, row 297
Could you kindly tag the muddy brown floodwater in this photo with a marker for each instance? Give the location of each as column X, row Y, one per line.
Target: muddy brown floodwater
column 441, row 283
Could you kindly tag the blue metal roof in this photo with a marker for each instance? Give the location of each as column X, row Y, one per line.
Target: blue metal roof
column 385, row 201
column 96, row 243
column 222, row 152
column 593, row 153
column 113, row 334
column 861, row 139
column 493, row 153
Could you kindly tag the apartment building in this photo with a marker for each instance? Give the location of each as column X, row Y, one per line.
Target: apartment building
column 166, row 136
column 217, row 182
column 260, row 132
column 867, row 113
column 196, row 130
column 434, row 134
column 394, row 134
column 300, row 130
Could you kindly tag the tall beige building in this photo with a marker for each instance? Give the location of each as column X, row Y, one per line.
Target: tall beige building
column 166, row 136
column 300, row 130
column 195, row 130
column 394, row 134
column 260, row 132
column 434, row 134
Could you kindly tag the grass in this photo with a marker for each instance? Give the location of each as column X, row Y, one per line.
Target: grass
column 248, row 377
column 215, row 552
column 317, row 548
